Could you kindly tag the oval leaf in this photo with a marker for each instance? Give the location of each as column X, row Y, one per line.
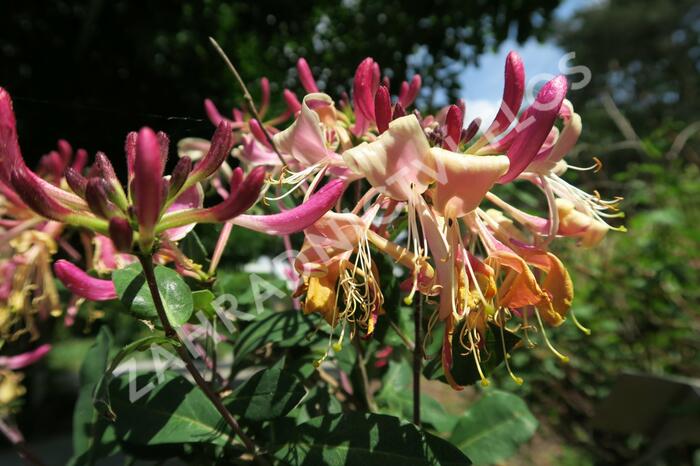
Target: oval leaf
column 363, row 438
column 494, row 427
column 134, row 293
column 268, row 394
column 174, row 411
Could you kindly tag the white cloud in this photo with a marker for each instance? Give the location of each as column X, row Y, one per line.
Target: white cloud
column 482, row 108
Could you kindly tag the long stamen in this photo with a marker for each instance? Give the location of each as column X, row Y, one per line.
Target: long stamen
column 585, row 330
column 563, row 358
column 506, row 355
column 475, row 352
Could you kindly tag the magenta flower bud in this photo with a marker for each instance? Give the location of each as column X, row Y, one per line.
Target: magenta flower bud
column 513, row 91
column 147, row 184
column 363, row 84
column 65, row 150
column 130, row 151
column 51, row 164
column 382, row 108
column 533, row 129
column 399, row 111
column 106, row 170
column 81, row 284
column 292, row 101
column 220, row 148
column 164, row 143
column 76, row 181
column 32, row 193
column 10, row 154
column 265, row 94
column 471, row 130
column 81, row 157
column 121, row 234
column 453, row 127
column 258, row 132
column 298, row 218
column 409, row 92
column 179, row 176
column 306, row 77
column 97, row 197
column 243, row 194
column 212, row 112
column 23, row 360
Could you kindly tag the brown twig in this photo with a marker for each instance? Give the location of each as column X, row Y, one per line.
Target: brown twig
column 246, row 95
column 147, row 264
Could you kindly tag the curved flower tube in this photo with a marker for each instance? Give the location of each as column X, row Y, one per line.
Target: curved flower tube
column 82, row 284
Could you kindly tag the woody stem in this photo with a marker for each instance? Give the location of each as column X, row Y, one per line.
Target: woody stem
column 147, row 264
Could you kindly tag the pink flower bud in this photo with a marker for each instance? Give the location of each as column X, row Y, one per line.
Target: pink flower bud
column 265, row 95
column 81, row 157
column 23, row 360
column 130, row 151
column 306, row 77
column 82, row 284
column 363, row 84
column 65, row 150
column 258, row 132
column 76, row 181
column 292, row 101
column 179, row 175
column 220, row 148
column 121, row 233
column 453, row 126
column 409, row 92
column 243, row 194
column 212, row 112
column 513, row 91
column 298, row 218
column 31, row 191
column 471, row 130
column 148, row 184
column 97, row 198
column 534, row 127
column 382, row 107
column 399, row 111
column 10, row 154
column 164, row 143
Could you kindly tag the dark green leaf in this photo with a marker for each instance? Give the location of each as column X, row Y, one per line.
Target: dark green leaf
column 494, row 427
column 173, row 411
column 362, row 438
column 287, row 328
column 268, row 394
column 93, row 437
column 134, row 293
column 101, row 394
column 192, row 246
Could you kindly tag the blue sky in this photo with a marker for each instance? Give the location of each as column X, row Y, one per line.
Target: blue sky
column 482, row 86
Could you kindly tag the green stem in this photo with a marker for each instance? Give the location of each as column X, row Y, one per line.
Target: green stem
column 417, row 359
column 147, row 264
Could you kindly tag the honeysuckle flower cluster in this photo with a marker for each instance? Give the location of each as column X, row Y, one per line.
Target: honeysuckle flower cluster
column 426, row 195
column 427, row 198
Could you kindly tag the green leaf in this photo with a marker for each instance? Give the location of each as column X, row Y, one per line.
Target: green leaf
column 93, row 437
column 192, row 246
column 464, row 368
column 494, row 427
column 268, row 394
column 100, row 398
column 201, row 300
column 286, row 329
column 173, row 411
column 134, row 293
column 362, row 438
